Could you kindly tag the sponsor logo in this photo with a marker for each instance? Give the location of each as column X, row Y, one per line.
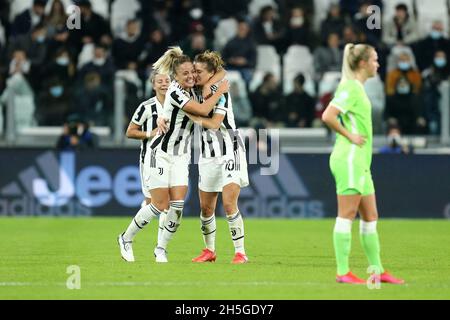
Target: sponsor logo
column 281, row 195
column 56, row 188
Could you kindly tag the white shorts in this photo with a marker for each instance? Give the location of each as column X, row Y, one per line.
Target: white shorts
column 144, row 179
column 166, row 171
column 216, row 173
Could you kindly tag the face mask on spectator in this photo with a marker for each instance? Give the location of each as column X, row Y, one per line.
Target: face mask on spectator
column 196, row 13
column 435, row 34
column 404, row 66
column 56, row 91
column 440, row 62
column 99, row 61
column 40, row 39
column 62, row 61
column 297, row 21
column 24, row 66
column 403, row 89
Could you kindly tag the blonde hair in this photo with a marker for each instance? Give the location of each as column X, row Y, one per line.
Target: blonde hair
column 353, row 55
column 170, row 60
column 212, row 59
column 154, row 74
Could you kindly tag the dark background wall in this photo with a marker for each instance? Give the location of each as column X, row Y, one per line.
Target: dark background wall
column 37, row 182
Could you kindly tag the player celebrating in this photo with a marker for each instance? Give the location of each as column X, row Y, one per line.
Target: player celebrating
column 170, row 151
column 143, row 127
column 349, row 115
column 222, row 166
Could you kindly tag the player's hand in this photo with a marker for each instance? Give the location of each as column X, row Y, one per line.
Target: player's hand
column 224, row 86
column 162, row 124
column 357, row 139
column 195, row 119
column 206, row 92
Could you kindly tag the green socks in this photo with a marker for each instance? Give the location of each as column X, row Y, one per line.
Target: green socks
column 342, row 241
column 371, row 243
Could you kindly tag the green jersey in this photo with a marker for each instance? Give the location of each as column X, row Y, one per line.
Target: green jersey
column 356, row 116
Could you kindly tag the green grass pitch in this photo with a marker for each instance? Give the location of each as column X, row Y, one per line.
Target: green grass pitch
column 289, row 259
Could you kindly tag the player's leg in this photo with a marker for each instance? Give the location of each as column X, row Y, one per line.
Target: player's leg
column 230, row 195
column 208, row 201
column 209, row 186
column 172, row 221
column 348, row 199
column 370, row 240
column 162, row 216
column 348, row 204
column 146, row 213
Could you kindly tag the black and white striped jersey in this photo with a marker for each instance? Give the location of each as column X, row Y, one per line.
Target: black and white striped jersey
column 177, row 140
column 226, row 140
column 145, row 116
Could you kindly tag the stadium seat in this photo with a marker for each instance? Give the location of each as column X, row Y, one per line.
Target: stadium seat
column 297, row 59
column 226, row 30
column 329, row 82
column 375, row 91
column 255, row 6
column 101, row 7
column 268, row 60
column 121, row 12
column 321, row 8
column 2, row 36
column 426, row 14
column 257, row 79
column 18, row 7
column 235, row 77
column 86, row 55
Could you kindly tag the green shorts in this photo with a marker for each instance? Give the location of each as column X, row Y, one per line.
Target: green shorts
column 351, row 180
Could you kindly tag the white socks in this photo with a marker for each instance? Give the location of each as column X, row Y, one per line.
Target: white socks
column 236, row 225
column 142, row 218
column 171, row 223
column 209, row 231
column 367, row 227
column 343, row 225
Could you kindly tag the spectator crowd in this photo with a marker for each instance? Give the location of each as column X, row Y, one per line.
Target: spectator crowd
column 54, row 73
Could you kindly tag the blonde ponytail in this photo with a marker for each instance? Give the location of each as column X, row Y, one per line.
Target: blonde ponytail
column 347, row 73
column 168, row 62
column 353, row 55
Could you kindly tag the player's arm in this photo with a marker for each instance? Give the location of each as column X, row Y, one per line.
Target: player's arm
column 134, row 131
column 203, row 109
column 330, row 118
column 218, row 76
column 209, row 123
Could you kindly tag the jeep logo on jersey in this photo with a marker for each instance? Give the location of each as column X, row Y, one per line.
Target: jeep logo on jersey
column 43, row 190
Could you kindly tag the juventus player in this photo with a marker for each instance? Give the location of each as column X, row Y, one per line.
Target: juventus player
column 170, row 151
column 222, row 166
column 143, row 127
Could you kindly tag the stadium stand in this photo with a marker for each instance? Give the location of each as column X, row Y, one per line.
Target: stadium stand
column 283, row 59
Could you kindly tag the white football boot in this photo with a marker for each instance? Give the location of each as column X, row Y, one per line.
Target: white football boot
column 126, row 249
column 160, row 255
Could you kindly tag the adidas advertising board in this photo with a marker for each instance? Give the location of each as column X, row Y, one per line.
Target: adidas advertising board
column 37, row 182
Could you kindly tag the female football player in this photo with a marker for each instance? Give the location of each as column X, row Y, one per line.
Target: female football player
column 222, row 165
column 349, row 115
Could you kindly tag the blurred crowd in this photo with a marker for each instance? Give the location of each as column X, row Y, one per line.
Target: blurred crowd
column 54, row 73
